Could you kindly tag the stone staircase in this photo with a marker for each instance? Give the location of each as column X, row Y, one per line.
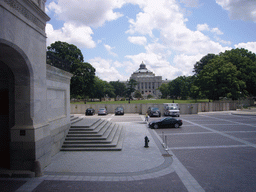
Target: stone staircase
column 93, row 135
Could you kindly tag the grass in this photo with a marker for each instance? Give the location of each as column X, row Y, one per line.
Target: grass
column 157, row 101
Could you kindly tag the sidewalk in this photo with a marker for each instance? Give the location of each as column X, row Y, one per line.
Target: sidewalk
column 134, row 162
column 247, row 112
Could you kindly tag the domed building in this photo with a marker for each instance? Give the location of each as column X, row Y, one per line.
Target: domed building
column 147, row 82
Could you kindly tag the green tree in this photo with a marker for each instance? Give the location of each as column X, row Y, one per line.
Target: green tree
column 198, row 67
column 67, row 52
column 180, row 87
column 137, row 94
column 245, row 61
column 119, row 88
column 98, row 88
column 83, row 73
column 221, row 79
column 164, row 88
column 109, row 90
column 130, row 88
column 82, row 80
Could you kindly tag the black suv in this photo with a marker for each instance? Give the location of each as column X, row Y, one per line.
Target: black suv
column 154, row 111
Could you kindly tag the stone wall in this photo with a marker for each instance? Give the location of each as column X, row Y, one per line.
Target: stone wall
column 131, row 108
column 58, row 114
column 192, row 108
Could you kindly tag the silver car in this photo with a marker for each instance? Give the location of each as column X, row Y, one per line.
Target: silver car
column 102, row 111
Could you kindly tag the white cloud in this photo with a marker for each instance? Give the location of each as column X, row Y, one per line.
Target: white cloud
column 216, row 31
column 139, row 40
column 189, row 46
column 89, row 13
column 80, row 36
column 203, row 27
column 185, row 63
column 109, row 49
column 190, row 3
column 251, row 46
column 239, row 9
column 105, row 69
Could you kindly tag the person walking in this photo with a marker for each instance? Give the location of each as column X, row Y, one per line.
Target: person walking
column 146, row 118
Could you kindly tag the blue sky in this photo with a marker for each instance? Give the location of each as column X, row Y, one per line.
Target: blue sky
column 115, row 36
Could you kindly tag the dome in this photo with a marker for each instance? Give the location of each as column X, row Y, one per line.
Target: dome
column 142, row 66
column 143, row 71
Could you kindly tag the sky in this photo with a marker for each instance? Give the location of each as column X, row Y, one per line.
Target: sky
column 169, row 36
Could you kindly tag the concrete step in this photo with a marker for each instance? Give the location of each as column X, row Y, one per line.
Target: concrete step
column 85, row 123
column 116, row 144
column 78, row 127
column 93, row 136
column 108, row 138
column 74, row 119
column 103, row 125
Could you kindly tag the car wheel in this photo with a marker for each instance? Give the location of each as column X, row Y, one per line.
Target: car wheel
column 176, row 125
column 155, row 126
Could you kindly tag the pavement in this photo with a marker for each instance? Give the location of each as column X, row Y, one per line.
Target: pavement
column 251, row 111
column 135, row 168
column 135, row 163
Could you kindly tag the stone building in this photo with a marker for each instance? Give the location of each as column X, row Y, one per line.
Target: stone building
column 147, row 82
column 35, row 111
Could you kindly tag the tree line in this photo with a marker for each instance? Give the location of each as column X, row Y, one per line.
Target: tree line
column 84, row 83
column 230, row 75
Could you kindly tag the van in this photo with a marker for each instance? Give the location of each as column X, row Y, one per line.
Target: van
column 172, row 109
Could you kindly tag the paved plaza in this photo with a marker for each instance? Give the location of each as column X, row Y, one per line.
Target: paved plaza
column 210, row 152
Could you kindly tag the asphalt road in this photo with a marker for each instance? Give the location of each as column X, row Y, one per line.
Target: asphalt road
column 218, row 150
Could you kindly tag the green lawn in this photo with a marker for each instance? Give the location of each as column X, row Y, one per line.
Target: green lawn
column 158, row 101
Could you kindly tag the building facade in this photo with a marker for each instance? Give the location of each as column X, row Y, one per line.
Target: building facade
column 147, row 82
column 36, row 114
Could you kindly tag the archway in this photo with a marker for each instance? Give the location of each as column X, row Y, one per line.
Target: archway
column 15, row 97
column 6, row 112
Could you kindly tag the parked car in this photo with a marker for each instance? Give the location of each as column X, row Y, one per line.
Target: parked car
column 89, row 111
column 172, row 111
column 119, row 111
column 154, row 111
column 166, row 122
column 102, row 111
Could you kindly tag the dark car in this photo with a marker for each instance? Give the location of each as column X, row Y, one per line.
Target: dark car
column 89, row 111
column 154, row 111
column 119, row 111
column 166, row 122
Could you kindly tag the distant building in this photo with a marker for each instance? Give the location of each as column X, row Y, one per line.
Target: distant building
column 148, row 83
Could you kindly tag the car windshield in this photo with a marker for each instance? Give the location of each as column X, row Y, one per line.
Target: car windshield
column 119, row 108
column 154, row 109
column 164, row 119
column 173, row 108
column 101, row 109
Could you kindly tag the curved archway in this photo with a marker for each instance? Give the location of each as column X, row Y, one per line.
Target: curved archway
column 17, row 61
column 15, row 93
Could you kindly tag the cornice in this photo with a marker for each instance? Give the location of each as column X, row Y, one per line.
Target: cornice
column 37, row 17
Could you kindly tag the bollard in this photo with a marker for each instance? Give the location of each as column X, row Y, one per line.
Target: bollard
column 163, row 138
column 166, row 146
column 146, row 142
